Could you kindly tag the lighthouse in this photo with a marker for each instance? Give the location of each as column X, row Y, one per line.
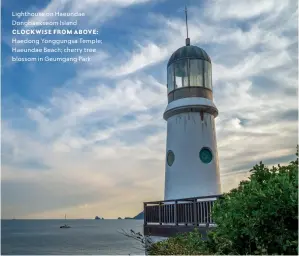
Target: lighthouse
column 192, row 179
column 191, row 168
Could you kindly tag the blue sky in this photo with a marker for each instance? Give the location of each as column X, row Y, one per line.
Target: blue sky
column 88, row 139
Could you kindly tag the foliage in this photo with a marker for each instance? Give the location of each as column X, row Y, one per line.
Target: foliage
column 184, row 244
column 258, row 217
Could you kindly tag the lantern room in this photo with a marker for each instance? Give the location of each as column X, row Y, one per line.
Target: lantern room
column 189, row 74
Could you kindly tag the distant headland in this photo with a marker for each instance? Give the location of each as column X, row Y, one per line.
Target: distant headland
column 139, row 216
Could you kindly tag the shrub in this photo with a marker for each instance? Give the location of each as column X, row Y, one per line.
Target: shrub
column 258, row 217
column 183, row 244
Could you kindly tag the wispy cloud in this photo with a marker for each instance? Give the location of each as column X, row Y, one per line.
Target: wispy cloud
column 99, row 137
column 97, row 11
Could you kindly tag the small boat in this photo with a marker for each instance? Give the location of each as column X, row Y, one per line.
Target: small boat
column 65, row 225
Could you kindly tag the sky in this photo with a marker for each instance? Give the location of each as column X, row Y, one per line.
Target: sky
column 89, row 139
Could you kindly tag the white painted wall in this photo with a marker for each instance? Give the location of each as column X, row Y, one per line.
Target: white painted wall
column 189, row 176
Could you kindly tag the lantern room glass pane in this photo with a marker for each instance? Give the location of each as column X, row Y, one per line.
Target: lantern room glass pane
column 196, row 72
column 208, row 74
column 170, row 79
column 181, row 73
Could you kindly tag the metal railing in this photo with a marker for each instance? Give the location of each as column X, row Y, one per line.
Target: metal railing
column 186, row 211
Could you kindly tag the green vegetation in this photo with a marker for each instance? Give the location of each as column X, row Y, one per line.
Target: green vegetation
column 261, row 215
column 258, row 217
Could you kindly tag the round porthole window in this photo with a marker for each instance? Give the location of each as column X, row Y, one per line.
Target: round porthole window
column 170, row 158
column 205, row 155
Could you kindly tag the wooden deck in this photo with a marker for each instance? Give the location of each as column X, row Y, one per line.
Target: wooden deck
column 170, row 217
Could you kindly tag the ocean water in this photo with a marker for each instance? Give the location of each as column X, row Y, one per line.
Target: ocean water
column 92, row 237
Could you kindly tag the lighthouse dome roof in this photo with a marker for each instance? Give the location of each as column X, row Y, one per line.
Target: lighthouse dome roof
column 189, row 51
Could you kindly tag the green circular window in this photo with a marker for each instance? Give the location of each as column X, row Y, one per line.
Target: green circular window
column 206, row 155
column 170, row 158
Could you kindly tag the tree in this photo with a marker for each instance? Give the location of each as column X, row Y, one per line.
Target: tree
column 259, row 217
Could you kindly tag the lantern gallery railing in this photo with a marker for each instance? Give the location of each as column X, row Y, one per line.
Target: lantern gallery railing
column 188, row 211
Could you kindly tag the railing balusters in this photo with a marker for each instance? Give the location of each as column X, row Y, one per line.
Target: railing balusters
column 206, row 211
column 144, row 212
column 175, row 212
column 152, row 214
column 209, row 211
column 210, row 219
column 160, row 221
column 201, row 212
column 185, row 214
column 195, row 213
column 180, row 213
column 198, row 212
column 191, row 212
column 212, row 204
column 166, row 213
column 188, row 211
column 172, row 216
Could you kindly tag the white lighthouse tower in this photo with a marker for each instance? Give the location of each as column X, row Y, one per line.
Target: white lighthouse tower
column 192, row 168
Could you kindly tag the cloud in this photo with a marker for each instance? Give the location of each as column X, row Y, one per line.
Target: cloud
column 79, row 137
column 243, row 9
column 97, row 11
column 99, row 138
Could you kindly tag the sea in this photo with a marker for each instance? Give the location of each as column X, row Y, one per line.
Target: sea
column 85, row 237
